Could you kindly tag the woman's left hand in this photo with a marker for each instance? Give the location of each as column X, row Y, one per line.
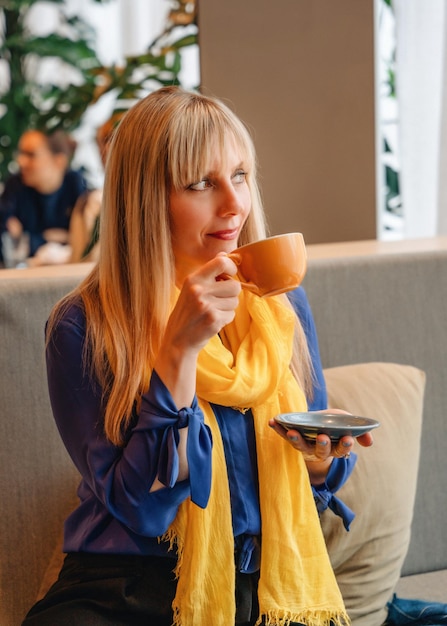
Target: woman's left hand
column 319, row 453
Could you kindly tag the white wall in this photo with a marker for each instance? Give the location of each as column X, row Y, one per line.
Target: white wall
column 421, row 52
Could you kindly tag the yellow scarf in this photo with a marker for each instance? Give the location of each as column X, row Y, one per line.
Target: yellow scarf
column 249, row 367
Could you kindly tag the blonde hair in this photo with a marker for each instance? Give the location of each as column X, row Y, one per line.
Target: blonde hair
column 162, row 143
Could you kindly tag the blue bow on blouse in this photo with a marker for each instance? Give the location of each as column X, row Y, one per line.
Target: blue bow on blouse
column 324, row 497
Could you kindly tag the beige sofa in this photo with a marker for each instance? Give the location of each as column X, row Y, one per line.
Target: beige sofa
column 380, row 315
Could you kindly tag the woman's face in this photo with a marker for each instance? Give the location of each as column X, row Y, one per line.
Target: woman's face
column 207, row 216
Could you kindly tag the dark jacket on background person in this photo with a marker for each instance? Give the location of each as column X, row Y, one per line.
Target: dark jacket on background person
column 38, row 212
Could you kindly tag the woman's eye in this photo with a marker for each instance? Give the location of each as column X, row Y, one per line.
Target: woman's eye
column 240, row 176
column 201, row 185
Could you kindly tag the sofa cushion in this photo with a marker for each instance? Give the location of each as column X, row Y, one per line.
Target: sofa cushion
column 432, row 586
column 368, row 559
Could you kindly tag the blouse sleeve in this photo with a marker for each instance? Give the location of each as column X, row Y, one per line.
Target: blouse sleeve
column 324, row 494
column 121, row 476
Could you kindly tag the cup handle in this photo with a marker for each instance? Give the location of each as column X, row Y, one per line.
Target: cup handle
column 235, row 257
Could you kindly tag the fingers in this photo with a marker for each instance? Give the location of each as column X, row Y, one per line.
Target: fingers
column 222, row 270
column 343, row 447
column 214, row 299
column 366, row 440
column 215, row 277
column 319, row 449
column 205, row 305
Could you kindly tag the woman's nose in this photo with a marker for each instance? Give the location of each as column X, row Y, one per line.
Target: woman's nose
column 230, row 203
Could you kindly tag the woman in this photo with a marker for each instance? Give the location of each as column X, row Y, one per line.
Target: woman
column 164, row 380
column 40, row 198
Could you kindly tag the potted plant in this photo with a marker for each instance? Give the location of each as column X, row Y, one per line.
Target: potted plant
column 26, row 102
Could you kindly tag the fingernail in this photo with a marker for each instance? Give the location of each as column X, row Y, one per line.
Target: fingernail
column 346, row 444
column 322, row 443
column 294, row 438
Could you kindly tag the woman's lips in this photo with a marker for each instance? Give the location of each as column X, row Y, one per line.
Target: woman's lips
column 226, row 235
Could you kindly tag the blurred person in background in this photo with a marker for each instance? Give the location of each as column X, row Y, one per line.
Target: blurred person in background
column 39, row 199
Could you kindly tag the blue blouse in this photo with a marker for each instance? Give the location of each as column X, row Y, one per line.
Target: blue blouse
column 117, row 513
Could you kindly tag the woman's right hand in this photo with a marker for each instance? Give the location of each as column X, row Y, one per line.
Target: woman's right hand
column 207, row 302
column 205, row 305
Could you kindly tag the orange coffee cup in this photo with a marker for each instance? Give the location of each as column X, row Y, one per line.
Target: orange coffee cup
column 271, row 266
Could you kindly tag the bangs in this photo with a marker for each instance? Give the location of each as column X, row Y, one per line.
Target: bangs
column 194, row 144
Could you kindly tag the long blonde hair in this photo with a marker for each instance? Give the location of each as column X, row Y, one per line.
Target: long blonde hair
column 162, row 143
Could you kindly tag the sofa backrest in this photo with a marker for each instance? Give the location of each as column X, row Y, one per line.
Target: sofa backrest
column 392, row 307
column 38, row 480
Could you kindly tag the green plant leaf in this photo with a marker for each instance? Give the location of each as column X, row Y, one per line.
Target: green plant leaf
column 26, row 103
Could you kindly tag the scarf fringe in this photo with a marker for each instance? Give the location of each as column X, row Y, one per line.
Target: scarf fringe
column 177, row 621
column 281, row 618
column 309, row 618
column 170, row 536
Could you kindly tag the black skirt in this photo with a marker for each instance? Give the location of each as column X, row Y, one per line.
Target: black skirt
column 120, row 590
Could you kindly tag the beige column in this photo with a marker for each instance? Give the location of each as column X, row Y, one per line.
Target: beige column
column 300, row 73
